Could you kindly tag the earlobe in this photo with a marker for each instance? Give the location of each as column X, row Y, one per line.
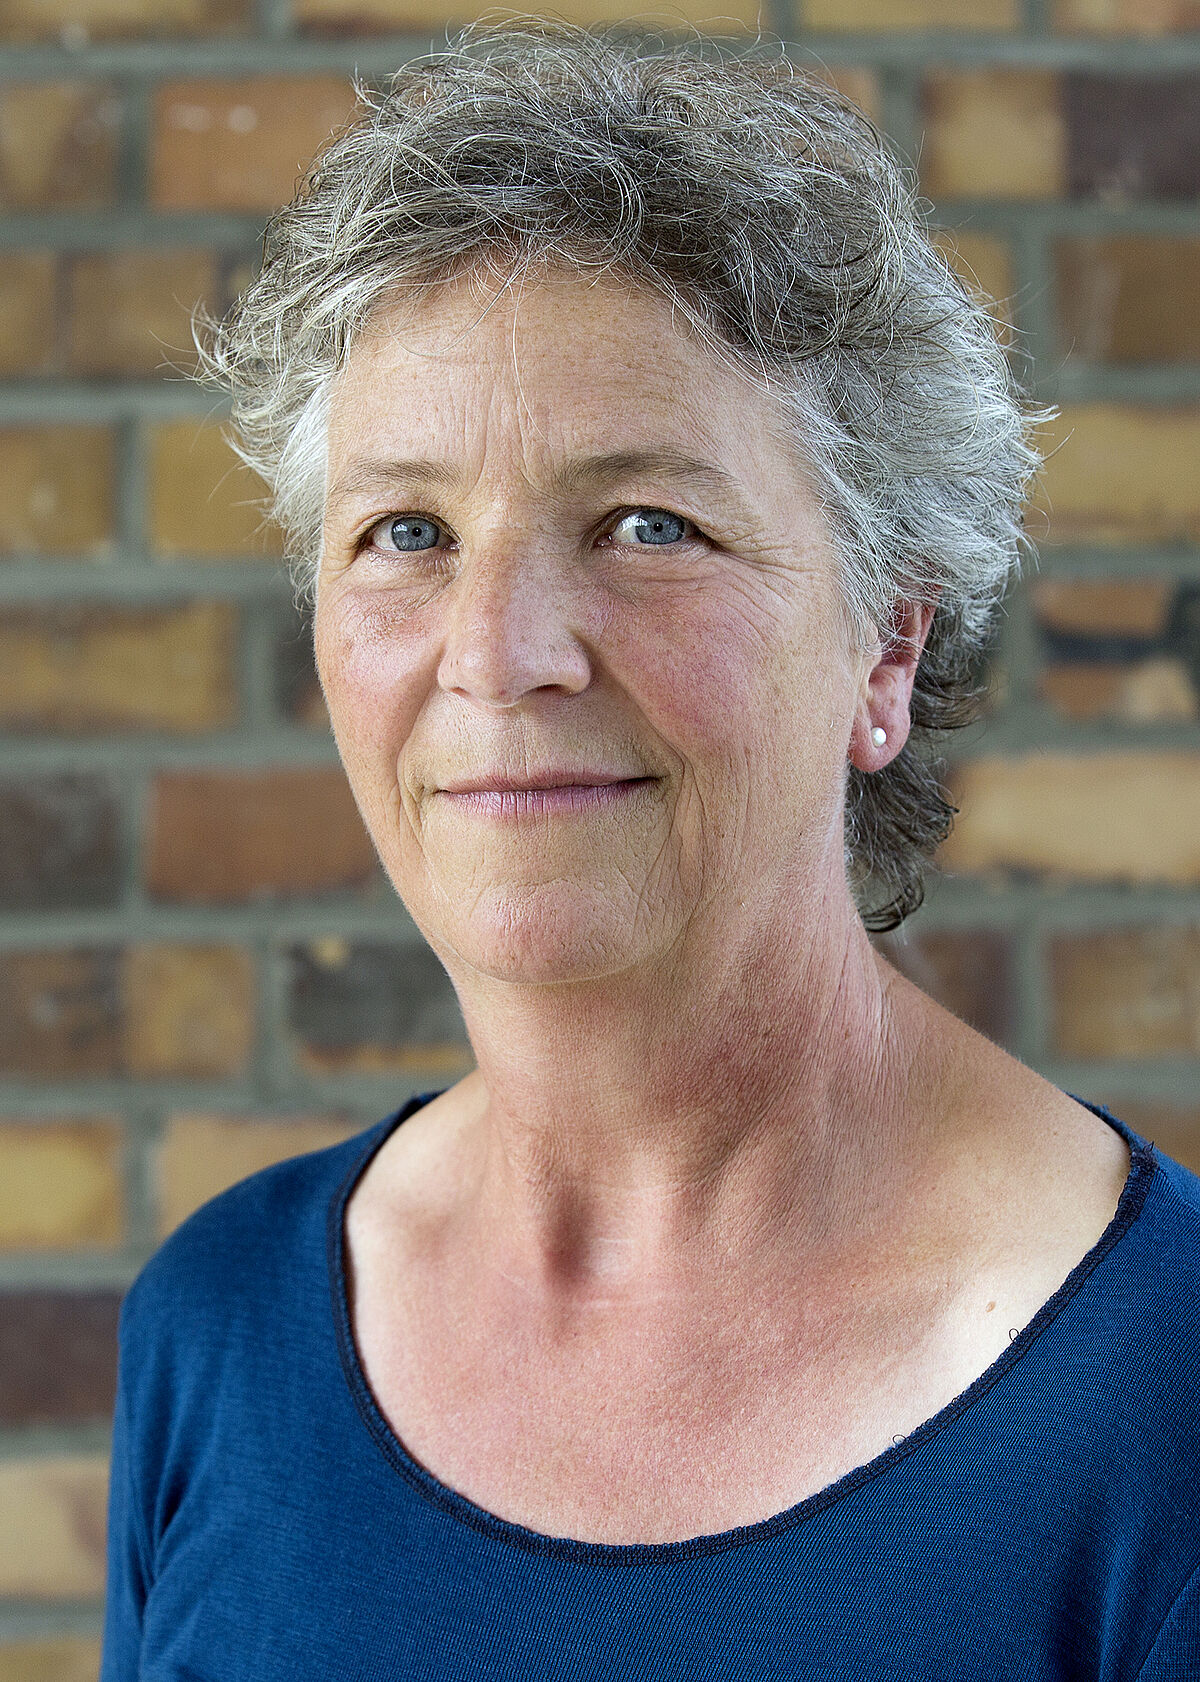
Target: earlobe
column 872, row 746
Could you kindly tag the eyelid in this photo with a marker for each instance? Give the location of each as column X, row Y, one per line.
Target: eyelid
column 612, row 520
column 363, row 538
column 654, row 508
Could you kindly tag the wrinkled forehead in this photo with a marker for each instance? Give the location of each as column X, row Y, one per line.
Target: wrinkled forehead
column 552, row 364
column 554, row 320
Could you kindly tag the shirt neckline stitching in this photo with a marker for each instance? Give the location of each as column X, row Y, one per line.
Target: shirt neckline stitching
column 1142, row 1169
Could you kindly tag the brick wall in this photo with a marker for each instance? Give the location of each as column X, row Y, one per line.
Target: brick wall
column 201, row 970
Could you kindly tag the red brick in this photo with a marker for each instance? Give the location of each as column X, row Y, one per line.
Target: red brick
column 993, row 134
column 154, row 1012
column 130, row 311
column 27, row 325
column 58, row 1356
column 222, row 837
column 87, row 669
column 1119, row 648
column 241, row 144
column 58, row 492
column 1127, row 993
column 1108, row 817
column 1122, row 473
column 203, row 500
column 58, row 145
column 1130, row 298
column 857, row 83
column 76, row 22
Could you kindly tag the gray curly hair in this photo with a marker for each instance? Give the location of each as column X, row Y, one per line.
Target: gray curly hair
column 767, row 209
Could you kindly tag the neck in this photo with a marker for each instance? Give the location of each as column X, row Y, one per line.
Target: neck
column 635, row 1135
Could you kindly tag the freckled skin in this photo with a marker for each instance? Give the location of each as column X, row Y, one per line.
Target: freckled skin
column 714, row 1145
column 716, row 665
column 691, row 954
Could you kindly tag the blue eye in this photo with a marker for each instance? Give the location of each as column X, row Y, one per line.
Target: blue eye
column 408, row 533
column 654, row 526
column 411, row 534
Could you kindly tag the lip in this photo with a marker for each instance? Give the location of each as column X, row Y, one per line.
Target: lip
column 499, row 783
column 560, row 800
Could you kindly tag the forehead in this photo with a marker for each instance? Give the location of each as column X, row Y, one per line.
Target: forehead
column 557, row 364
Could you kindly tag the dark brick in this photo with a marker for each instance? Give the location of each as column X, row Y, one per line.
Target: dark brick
column 1183, row 630
column 969, row 972
column 1131, row 298
column 58, row 843
column 58, row 1356
column 1169, row 633
column 61, row 1013
column 374, row 1006
column 1132, row 136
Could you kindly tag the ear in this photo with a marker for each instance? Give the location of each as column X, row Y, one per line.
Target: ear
column 886, row 690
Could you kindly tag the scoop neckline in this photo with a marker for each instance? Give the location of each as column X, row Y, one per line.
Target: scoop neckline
column 1142, row 1168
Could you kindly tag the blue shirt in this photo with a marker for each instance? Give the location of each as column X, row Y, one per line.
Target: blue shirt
column 266, row 1525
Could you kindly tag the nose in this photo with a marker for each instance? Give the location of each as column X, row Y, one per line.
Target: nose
column 508, row 631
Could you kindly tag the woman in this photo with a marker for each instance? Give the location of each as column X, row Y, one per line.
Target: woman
column 743, row 1313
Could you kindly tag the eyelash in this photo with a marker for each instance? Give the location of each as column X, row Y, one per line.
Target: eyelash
column 364, row 542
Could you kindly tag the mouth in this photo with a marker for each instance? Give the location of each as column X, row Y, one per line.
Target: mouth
column 500, row 783
column 553, row 799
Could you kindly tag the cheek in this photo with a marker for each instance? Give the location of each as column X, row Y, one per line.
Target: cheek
column 734, row 678
column 368, row 660
column 689, row 667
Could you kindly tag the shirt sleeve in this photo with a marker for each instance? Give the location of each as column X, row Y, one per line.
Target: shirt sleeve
column 1175, row 1655
column 128, row 1567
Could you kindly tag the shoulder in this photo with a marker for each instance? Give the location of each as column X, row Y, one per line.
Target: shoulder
column 1154, row 1237
column 238, row 1241
column 1172, row 1216
column 1148, row 1324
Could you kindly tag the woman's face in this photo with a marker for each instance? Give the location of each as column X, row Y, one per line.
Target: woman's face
column 522, row 576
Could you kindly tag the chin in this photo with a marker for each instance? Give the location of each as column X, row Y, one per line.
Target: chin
column 555, row 932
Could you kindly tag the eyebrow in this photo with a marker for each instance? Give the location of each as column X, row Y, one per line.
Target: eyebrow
column 363, row 478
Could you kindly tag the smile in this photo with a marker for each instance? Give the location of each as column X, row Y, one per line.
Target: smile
column 547, row 802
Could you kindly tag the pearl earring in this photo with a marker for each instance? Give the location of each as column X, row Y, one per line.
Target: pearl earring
column 878, row 736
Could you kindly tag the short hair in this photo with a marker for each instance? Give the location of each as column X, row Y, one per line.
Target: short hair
column 768, row 210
